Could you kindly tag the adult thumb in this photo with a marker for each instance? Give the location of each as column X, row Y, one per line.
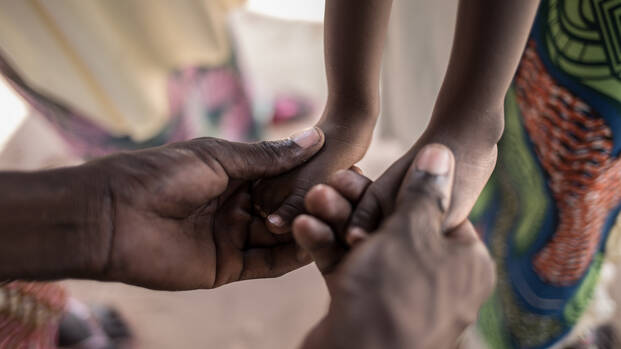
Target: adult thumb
column 425, row 192
column 249, row 161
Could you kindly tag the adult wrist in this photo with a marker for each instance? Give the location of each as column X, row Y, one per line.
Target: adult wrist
column 98, row 222
column 50, row 227
column 362, row 321
column 378, row 323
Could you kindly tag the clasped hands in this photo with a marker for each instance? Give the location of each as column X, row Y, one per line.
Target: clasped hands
column 182, row 217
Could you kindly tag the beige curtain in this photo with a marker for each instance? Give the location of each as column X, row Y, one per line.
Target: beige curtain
column 417, row 52
column 111, row 58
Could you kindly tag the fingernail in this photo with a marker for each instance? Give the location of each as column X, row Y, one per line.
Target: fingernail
column 355, row 235
column 306, row 138
column 276, row 220
column 434, row 159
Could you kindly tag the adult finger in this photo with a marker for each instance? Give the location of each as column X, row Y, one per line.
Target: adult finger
column 425, row 192
column 258, row 160
column 279, row 221
column 325, row 203
column 350, row 184
column 272, row 262
column 318, row 239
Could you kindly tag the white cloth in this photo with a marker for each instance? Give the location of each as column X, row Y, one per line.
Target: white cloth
column 111, row 58
column 417, row 52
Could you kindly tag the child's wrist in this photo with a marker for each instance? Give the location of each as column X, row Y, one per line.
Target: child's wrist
column 352, row 137
column 349, row 119
column 364, row 107
column 467, row 144
column 480, row 127
column 348, row 128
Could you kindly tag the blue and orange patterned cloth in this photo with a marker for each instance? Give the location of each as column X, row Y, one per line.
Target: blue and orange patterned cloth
column 551, row 206
column 30, row 313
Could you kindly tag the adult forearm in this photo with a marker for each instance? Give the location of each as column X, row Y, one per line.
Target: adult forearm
column 51, row 224
column 489, row 39
column 355, row 32
column 376, row 322
column 362, row 328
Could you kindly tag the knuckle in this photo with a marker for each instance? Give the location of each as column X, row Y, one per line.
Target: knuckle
column 200, row 141
column 277, row 151
column 314, row 196
column 269, row 150
column 317, row 195
column 297, row 197
column 211, row 145
column 291, row 208
column 207, row 139
column 425, row 193
column 423, row 213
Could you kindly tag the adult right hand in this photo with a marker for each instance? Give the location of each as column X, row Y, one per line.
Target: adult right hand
column 408, row 285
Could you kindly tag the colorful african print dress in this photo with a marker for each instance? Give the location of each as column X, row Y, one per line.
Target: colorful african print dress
column 549, row 212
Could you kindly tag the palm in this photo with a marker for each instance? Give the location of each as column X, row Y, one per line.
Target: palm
column 245, row 248
column 180, row 216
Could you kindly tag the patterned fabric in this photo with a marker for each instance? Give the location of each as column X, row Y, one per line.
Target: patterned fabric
column 29, row 314
column 554, row 197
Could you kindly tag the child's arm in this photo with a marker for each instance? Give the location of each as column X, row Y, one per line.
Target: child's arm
column 468, row 116
column 355, row 32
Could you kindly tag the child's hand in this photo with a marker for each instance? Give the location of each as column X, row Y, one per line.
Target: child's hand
column 474, row 163
column 281, row 198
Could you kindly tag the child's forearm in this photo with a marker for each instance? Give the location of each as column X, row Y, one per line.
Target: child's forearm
column 489, row 39
column 355, row 32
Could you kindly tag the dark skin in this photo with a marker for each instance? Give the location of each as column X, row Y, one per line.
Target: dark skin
column 355, row 32
column 470, row 102
column 177, row 217
column 413, row 284
column 468, row 116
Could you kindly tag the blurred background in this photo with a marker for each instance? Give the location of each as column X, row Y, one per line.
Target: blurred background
column 86, row 78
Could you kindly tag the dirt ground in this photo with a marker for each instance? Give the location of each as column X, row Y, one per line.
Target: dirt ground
column 252, row 314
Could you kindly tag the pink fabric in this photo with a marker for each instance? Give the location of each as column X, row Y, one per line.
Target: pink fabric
column 29, row 314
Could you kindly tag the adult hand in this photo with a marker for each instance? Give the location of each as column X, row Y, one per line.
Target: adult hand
column 181, row 216
column 410, row 285
column 282, row 197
